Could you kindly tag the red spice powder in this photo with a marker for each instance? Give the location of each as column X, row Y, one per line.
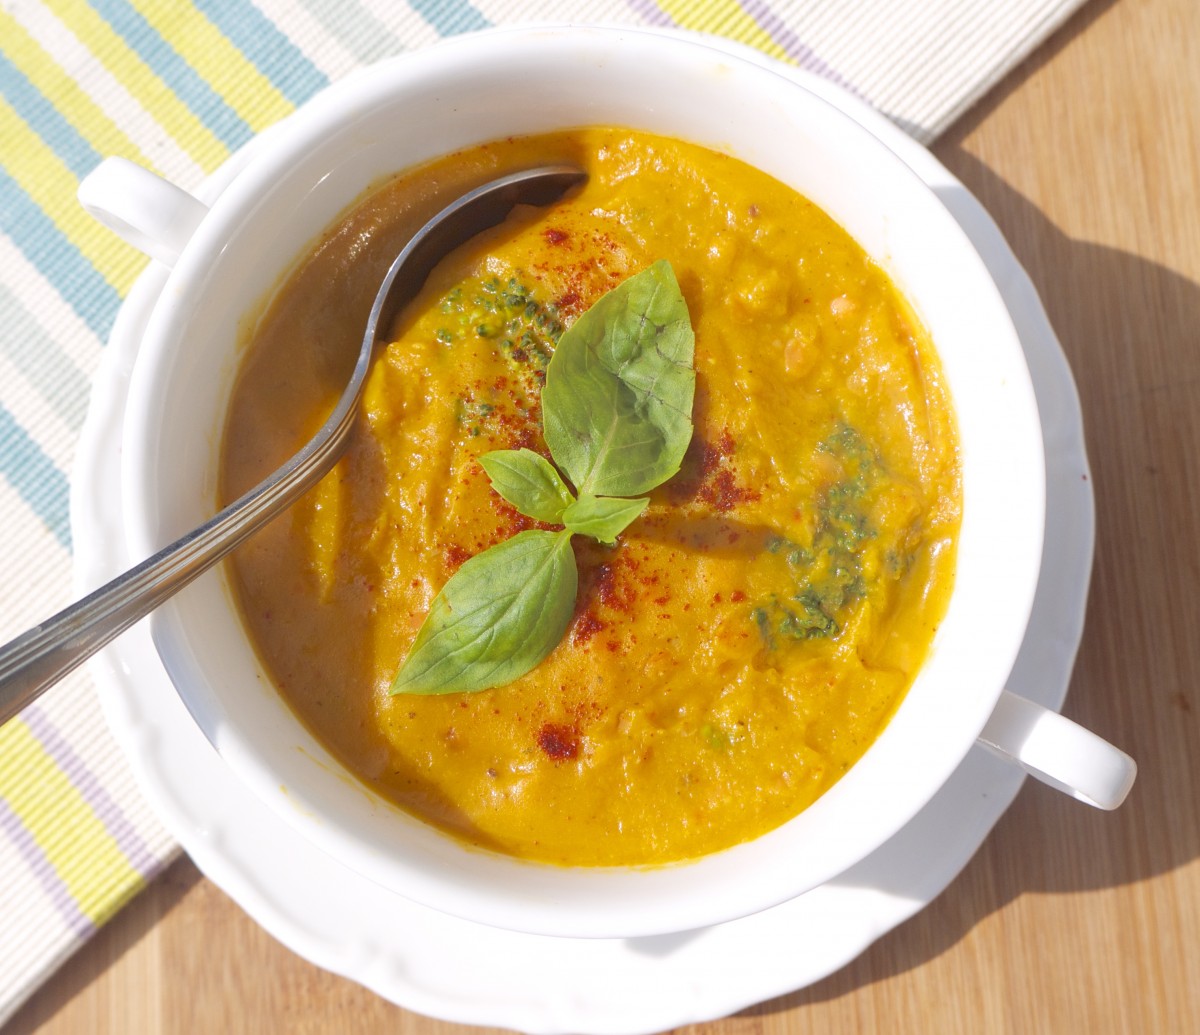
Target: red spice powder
column 708, row 479
column 702, row 460
column 454, row 556
column 723, row 493
column 584, row 277
column 710, row 457
column 558, row 741
column 586, row 626
column 512, row 520
column 606, row 585
column 570, row 302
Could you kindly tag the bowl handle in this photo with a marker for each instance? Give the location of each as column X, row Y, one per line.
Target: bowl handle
column 150, row 213
column 1059, row 752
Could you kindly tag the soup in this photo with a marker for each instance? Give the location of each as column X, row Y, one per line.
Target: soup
column 747, row 637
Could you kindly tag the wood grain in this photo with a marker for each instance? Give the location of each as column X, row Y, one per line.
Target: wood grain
column 1068, row 920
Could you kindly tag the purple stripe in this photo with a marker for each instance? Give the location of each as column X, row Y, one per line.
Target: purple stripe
column 105, row 807
column 792, row 45
column 652, row 13
column 46, row 875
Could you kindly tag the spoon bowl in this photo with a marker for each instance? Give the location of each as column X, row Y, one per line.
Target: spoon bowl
column 37, row 659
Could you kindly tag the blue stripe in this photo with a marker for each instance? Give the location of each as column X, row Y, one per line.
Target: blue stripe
column 35, row 477
column 185, row 82
column 29, row 102
column 450, row 16
column 57, row 259
column 42, row 361
column 270, row 50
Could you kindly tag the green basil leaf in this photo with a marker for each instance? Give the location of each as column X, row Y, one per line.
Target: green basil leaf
column 529, row 482
column 617, row 405
column 602, row 517
column 499, row 615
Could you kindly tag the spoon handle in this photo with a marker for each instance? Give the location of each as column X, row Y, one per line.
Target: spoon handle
column 37, row 659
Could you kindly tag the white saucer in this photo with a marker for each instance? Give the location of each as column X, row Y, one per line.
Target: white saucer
column 458, row 971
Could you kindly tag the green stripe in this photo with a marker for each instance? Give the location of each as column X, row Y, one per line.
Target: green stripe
column 355, row 28
column 42, row 361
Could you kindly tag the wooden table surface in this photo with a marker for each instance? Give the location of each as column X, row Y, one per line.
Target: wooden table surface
column 1068, row 920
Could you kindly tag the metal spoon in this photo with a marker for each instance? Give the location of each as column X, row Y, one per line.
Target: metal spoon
column 40, row 657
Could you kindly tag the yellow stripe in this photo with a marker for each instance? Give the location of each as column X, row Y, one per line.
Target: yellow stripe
column 51, row 186
column 74, row 841
column 723, row 18
column 235, row 79
column 151, row 93
column 65, row 94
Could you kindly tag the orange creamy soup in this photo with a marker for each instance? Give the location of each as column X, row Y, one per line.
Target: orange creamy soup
column 748, row 636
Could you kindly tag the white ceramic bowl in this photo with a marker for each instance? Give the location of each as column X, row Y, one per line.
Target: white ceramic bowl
column 466, row 91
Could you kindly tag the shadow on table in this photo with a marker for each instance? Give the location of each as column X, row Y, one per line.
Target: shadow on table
column 108, row 945
column 1131, row 331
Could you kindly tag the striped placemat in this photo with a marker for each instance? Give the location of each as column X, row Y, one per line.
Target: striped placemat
column 179, row 86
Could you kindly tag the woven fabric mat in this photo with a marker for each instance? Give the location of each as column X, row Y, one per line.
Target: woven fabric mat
column 179, row 86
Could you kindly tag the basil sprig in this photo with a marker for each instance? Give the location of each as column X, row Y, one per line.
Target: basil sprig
column 529, row 482
column 603, row 517
column 617, row 406
column 502, row 612
column 617, row 417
